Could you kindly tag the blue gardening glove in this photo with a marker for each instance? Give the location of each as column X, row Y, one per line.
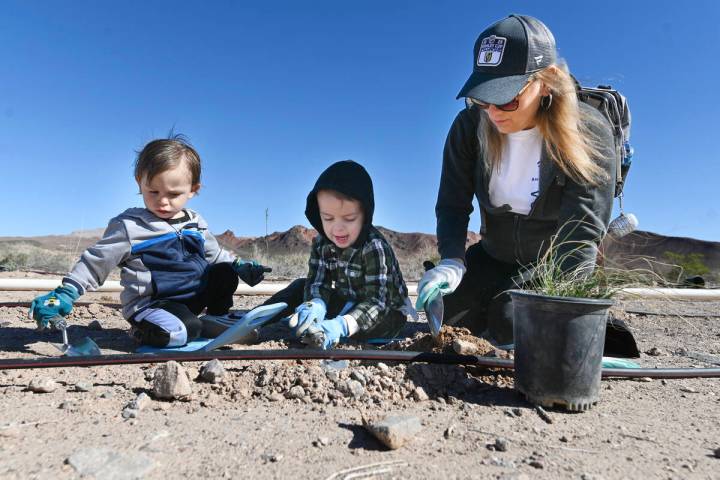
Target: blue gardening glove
column 326, row 334
column 57, row 303
column 440, row 280
column 307, row 314
column 250, row 271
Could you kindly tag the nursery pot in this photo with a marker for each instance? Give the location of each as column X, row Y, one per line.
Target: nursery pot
column 558, row 348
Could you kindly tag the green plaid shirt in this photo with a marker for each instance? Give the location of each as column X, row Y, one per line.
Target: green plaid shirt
column 369, row 275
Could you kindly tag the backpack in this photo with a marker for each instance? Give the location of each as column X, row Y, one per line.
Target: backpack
column 614, row 107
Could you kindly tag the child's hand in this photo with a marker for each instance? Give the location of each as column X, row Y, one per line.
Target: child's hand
column 307, row 314
column 326, row 334
column 57, row 303
column 250, row 272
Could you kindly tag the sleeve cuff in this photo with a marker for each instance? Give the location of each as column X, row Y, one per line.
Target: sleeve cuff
column 352, row 325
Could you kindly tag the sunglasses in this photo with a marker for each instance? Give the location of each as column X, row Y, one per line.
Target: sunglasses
column 510, row 106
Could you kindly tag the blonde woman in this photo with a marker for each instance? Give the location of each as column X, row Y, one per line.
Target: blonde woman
column 539, row 163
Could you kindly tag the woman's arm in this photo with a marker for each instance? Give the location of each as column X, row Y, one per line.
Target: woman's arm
column 457, row 186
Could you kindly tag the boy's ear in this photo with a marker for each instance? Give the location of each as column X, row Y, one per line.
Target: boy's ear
column 195, row 188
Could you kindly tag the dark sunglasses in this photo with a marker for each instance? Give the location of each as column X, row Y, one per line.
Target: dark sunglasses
column 511, row 106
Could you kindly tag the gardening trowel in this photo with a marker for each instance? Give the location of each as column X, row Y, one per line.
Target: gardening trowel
column 83, row 348
column 247, row 323
column 434, row 310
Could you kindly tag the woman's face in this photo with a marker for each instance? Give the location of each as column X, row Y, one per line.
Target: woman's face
column 524, row 117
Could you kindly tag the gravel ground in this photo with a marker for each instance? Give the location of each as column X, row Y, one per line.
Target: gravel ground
column 304, row 419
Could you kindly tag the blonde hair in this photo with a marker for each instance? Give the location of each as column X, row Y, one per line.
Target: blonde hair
column 567, row 138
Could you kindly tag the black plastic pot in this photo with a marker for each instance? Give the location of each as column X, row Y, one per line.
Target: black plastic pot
column 558, row 348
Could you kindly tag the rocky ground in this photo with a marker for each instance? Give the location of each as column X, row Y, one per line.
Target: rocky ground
column 325, row 419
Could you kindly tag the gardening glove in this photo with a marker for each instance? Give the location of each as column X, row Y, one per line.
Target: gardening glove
column 307, row 314
column 57, row 303
column 327, row 333
column 440, row 280
column 250, row 271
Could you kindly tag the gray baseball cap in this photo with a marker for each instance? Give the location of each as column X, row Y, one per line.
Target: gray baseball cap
column 506, row 54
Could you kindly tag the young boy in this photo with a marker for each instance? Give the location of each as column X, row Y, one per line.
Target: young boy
column 171, row 265
column 354, row 286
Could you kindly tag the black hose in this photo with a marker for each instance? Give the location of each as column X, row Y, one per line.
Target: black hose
column 299, row 354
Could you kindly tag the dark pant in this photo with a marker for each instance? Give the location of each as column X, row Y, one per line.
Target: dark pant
column 388, row 326
column 217, row 296
column 481, row 302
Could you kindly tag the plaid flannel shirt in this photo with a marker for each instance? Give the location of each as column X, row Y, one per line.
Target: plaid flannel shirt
column 369, row 276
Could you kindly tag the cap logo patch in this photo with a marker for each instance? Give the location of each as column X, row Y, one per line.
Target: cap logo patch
column 491, row 51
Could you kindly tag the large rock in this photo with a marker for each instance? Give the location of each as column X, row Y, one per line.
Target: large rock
column 171, row 382
column 394, row 431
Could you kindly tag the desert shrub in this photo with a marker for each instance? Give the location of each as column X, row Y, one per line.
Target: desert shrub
column 26, row 256
column 685, row 264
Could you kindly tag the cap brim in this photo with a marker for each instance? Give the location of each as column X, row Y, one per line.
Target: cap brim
column 493, row 89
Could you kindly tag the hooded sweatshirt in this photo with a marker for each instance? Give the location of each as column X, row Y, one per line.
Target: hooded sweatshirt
column 366, row 273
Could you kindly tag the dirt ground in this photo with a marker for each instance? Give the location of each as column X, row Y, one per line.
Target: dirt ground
column 303, row 419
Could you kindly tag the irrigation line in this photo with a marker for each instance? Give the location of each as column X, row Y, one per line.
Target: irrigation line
column 302, row 354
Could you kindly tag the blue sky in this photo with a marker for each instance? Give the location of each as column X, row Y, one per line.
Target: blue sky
column 271, row 93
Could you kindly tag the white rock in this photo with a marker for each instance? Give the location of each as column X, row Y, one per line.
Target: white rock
column 171, row 382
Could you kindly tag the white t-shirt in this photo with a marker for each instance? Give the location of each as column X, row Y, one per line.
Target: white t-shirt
column 517, row 181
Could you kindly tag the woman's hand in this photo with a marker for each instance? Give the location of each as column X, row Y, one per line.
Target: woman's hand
column 440, row 280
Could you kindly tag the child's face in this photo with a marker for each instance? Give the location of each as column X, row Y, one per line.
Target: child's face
column 168, row 192
column 342, row 220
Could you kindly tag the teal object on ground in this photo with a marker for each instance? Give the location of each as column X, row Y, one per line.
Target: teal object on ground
column 612, row 362
column 193, row 346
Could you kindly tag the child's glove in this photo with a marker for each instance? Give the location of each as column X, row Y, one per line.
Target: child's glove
column 440, row 280
column 59, row 302
column 326, row 334
column 250, row 272
column 307, row 314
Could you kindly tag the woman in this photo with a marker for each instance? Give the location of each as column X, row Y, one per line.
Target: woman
column 540, row 164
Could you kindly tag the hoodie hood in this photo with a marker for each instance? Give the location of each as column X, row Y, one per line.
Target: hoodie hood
column 351, row 179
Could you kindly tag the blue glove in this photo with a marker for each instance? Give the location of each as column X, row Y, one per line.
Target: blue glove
column 307, row 314
column 326, row 334
column 440, row 280
column 57, row 303
column 250, row 271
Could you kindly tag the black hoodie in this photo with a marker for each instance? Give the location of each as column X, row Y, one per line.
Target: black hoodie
column 351, row 179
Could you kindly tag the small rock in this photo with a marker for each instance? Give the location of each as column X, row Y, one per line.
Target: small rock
column 271, row 457
column 296, row 392
column 564, row 439
column 394, row 431
column 463, row 347
column 321, row 442
column 95, row 325
column 500, row 445
column 717, row 452
column 688, row 390
column 419, row 394
column 449, row 431
column 588, row 476
column 83, row 387
column 66, row 405
column 141, row 402
column 334, row 365
column 94, row 308
column 384, row 369
column 42, row 385
column 213, row 371
column 355, row 388
column 536, row 464
column 171, row 382
column 644, row 379
column 106, row 394
column 130, row 413
column 359, row 377
column 106, row 463
column 517, row 411
column 275, row 397
column 655, row 352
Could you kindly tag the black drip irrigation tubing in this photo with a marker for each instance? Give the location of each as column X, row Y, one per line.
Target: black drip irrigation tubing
column 298, row 354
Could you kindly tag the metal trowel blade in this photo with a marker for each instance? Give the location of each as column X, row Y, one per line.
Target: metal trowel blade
column 435, row 309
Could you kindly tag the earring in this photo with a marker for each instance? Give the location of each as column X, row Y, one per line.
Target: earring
column 546, row 101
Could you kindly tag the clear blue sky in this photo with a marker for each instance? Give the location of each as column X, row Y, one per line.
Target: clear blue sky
column 271, row 93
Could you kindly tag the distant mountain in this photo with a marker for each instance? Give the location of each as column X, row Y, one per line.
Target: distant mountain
column 633, row 251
